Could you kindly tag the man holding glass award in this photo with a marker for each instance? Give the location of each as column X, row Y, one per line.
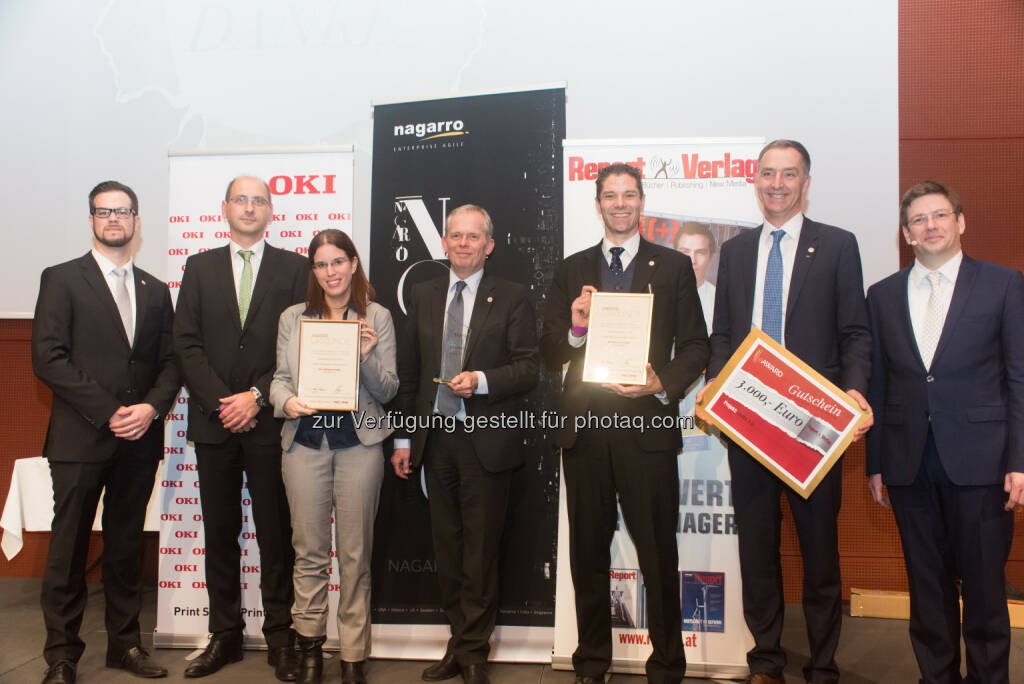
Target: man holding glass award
column 468, row 352
column 626, row 317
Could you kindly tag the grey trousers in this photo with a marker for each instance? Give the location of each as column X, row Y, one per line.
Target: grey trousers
column 346, row 482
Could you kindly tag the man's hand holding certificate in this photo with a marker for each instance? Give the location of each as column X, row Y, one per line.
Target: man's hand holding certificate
column 618, row 342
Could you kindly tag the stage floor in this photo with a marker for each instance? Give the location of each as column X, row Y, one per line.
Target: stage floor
column 870, row 650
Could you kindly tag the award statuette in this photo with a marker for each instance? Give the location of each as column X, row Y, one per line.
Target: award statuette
column 328, row 377
column 618, row 338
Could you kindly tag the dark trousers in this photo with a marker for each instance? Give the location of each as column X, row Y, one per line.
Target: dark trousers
column 467, row 518
column 755, row 493
column 220, row 485
column 951, row 531
column 128, row 479
column 601, row 463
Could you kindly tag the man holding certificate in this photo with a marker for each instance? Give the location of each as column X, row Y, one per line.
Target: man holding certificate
column 800, row 281
column 623, row 283
column 468, row 352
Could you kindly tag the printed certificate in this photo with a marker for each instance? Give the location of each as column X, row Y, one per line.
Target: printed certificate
column 328, row 377
column 618, row 338
column 782, row 412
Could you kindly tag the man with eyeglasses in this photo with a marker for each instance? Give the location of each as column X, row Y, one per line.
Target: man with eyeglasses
column 225, row 337
column 947, row 388
column 101, row 341
column 801, row 283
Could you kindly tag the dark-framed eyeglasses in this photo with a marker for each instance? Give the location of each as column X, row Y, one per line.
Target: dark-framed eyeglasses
column 104, row 212
column 242, row 200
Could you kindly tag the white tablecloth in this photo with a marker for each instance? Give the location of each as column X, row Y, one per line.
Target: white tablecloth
column 30, row 504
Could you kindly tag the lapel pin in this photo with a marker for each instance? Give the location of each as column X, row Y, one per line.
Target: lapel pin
column 143, row 282
column 490, row 299
column 810, row 250
column 651, row 262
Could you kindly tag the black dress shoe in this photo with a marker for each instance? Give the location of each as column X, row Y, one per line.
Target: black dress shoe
column 285, row 660
column 137, row 661
column 61, row 672
column 217, row 654
column 352, row 673
column 476, row 674
column 446, row 668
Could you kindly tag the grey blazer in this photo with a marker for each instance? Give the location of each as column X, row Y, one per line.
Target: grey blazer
column 378, row 377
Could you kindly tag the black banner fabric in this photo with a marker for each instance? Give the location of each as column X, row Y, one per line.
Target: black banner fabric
column 502, row 152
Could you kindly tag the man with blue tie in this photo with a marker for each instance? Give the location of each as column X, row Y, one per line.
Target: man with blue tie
column 947, row 387
column 800, row 281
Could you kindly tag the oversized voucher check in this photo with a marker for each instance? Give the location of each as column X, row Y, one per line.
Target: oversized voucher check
column 619, row 338
column 328, row 377
column 782, row 412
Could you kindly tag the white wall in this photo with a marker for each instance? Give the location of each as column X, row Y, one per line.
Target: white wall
column 96, row 90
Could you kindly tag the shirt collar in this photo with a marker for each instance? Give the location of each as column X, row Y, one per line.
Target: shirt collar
column 791, row 228
column 472, row 282
column 106, row 265
column 948, row 270
column 257, row 249
column 631, row 246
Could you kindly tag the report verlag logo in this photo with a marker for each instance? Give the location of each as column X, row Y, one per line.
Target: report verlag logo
column 431, row 129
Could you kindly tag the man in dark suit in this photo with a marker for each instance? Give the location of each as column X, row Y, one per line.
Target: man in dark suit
column 478, row 334
column 637, row 464
column 101, row 341
column 947, row 387
column 800, row 281
column 225, row 337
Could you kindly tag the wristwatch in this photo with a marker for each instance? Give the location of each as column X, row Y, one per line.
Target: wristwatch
column 258, row 396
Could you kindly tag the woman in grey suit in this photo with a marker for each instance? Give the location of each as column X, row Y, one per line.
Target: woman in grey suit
column 332, row 462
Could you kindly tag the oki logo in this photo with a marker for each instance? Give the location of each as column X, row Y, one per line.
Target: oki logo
column 174, row 450
column 248, row 535
column 252, row 569
column 170, row 483
column 279, row 217
column 175, row 416
column 302, row 250
column 186, row 534
column 187, row 501
column 177, row 251
column 333, row 587
column 307, row 217
column 199, row 585
column 222, row 234
column 170, row 550
column 178, row 219
column 192, row 235
column 342, row 216
column 182, row 400
column 199, row 551
column 209, row 218
column 186, row 466
column 167, row 584
column 291, row 233
column 173, row 284
column 175, row 517
column 185, row 568
column 303, row 185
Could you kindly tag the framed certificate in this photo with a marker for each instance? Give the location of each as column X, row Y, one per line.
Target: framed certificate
column 618, row 338
column 328, row 377
column 782, row 412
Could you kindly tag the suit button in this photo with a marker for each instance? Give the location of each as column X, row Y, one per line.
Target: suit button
column 241, row 346
column 930, row 378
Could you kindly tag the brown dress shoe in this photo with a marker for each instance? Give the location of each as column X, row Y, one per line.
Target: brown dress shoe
column 763, row 678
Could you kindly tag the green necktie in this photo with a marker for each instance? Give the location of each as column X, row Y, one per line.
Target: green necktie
column 245, row 285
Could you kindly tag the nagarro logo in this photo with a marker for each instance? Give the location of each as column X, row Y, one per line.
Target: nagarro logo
column 432, row 129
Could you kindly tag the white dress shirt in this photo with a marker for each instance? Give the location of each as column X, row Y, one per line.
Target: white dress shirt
column 706, row 294
column 237, row 263
column 787, row 246
column 918, row 291
column 107, row 269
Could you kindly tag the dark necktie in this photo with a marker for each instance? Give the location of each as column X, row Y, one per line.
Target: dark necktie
column 616, row 264
column 771, row 311
column 451, row 353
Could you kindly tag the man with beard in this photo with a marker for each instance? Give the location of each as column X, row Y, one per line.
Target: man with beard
column 225, row 342
column 635, row 466
column 101, row 341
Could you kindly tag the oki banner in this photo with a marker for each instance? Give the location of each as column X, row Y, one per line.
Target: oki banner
column 698, row 193
column 311, row 190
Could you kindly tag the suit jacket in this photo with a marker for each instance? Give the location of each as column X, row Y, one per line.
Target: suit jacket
column 826, row 318
column 378, row 376
column 81, row 352
column 502, row 344
column 972, row 397
column 679, row 338
column 216, row 355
